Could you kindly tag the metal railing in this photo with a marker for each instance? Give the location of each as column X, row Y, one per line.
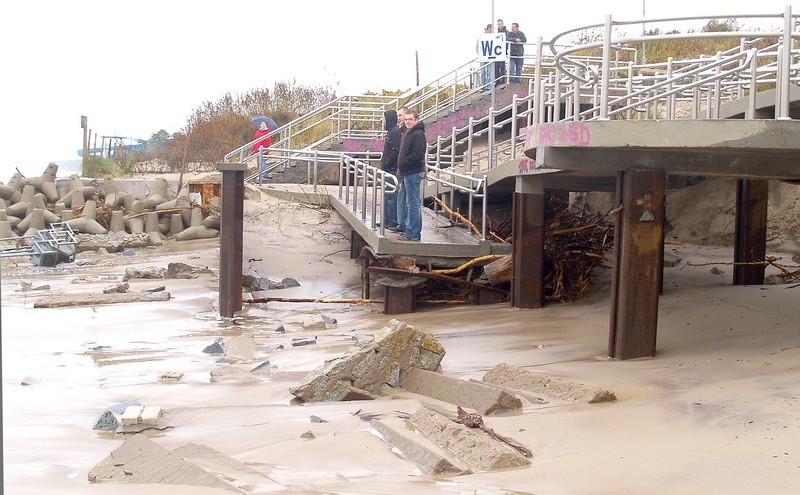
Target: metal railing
column 597, row 80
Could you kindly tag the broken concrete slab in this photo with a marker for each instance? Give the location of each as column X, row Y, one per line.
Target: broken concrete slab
column 371, row 365
column 471, row 445
column 552, row 386
column 417, row 449
column 66, row 300
column 480, row 397
column 140, row 460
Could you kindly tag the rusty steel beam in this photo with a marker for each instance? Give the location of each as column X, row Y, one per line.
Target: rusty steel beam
column 527, row 251
column 750, row 242
column 230, row 242
column 638, row 251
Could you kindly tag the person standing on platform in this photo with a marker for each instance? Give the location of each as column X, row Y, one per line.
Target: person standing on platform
column 486, row 67
column 516, row 39
column 260, row 147
column 391, row 149
column 500, row 67
column 411, row 171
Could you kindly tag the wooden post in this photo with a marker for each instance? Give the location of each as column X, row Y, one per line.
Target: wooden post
column 638, row 257
column 750, row 242
column 230, row 244
column 527, row 271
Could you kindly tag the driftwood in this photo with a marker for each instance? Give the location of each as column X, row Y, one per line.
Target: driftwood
column 466, row 222
column 435, row 276
column 307, row 300
column 499, row 271
column 474, row 420
column 470, row 263
column 66, row 300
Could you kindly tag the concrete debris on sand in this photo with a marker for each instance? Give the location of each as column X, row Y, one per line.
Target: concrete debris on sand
column 141, row 460
column 549, row 385
column 371, row 365
column 472, row 446
column 481, row 397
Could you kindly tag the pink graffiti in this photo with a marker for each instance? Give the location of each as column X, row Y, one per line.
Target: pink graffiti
column 557, row 133
column 527, row 166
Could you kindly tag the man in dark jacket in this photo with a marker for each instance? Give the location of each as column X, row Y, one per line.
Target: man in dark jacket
column 411, row 171
column 391, row 148
column 516, row 39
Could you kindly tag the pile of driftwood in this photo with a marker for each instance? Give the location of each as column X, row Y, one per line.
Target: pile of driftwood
column 575, row 240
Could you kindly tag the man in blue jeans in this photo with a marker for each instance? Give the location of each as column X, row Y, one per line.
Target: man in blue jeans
column 516, row 40
column 410, row 172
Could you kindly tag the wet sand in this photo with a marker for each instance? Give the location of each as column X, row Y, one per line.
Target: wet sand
column 717, row 411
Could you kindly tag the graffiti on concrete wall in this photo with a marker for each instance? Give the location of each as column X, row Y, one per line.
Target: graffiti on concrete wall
column 574, row 133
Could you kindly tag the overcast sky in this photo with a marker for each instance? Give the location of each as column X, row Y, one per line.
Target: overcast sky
column 134, row 67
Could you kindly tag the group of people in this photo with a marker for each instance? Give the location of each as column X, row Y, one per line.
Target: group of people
column 404, row 156
column 515, row 40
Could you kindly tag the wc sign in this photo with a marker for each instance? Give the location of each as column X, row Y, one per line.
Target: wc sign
column 492, row 47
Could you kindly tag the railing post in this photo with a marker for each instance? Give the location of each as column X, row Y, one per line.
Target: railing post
column 670, row 98
column 576, row 100
column 606, row 69
column 537, row 83
column 453, row 147
column 316, row 169
column 483, row 206
column 455, row 88
column 557, row 97
column 490, row 124
column 751, row 98
column 629, row 101
column 785, row 65
column 469, row 145
column 717, row 88
column 514, row 126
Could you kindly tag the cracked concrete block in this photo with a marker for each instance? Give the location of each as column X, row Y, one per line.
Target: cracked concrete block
column 470, row 445
column 551, row 386
column 480, row 397
column 417, row 449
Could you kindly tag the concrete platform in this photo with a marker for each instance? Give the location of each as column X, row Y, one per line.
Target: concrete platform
column 744, row 149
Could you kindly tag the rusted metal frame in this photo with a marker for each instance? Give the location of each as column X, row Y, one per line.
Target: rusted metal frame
column 638, row 246
column 231, row 243
column 527, row 266
column 750, row 243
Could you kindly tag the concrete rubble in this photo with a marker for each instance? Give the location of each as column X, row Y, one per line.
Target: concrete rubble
column 372, row 365
column 141, row 460
column 478, row 396
column 551, row 386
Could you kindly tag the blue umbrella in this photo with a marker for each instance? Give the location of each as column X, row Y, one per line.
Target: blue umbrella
column 258, row 119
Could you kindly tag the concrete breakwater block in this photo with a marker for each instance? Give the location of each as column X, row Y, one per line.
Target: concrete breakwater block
column 470, row 445
column 483, row 398
column 556, row 387
column 372, row 365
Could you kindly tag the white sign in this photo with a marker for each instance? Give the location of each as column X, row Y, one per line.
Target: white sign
column 492, row 47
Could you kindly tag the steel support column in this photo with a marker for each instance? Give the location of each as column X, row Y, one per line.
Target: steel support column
column 527, row 258
column 751, row 231
column 636, row 278
column 230, row 242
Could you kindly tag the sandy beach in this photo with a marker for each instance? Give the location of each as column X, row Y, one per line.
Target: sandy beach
column 716, row 411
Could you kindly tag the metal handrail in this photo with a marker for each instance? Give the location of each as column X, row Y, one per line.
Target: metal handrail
column 568, row 84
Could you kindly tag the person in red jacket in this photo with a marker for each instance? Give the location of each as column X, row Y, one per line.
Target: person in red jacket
column 260, row 146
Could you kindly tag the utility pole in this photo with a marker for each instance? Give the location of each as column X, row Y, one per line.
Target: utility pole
column 85, row 127
column 416, row 58
column 644, row 33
